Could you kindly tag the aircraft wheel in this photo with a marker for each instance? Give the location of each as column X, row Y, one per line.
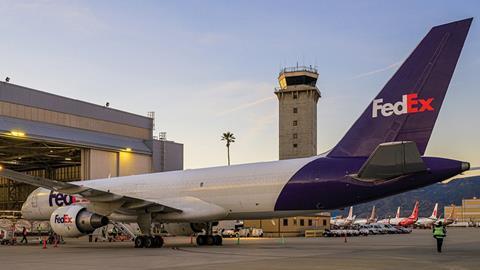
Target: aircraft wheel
column 158, row 241
column 139, row 241
column 210, row 240
column 149, row 242
column 218, row 240
column 201, row 240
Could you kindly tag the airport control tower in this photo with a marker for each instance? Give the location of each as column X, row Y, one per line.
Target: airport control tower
column 297, row 96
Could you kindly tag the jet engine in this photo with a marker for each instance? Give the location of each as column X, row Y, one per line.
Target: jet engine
column 75, row 221
column 184, row 229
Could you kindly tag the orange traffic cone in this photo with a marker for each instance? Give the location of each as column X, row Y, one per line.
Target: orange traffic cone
column 44, row 244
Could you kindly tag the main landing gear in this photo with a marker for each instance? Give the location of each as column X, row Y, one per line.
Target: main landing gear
column 148, row 241
column 209, row 240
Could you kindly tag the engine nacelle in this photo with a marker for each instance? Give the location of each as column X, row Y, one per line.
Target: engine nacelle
column 184, row 229
column 75, row 221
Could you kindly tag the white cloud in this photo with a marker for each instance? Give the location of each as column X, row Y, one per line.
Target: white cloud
column 76, row 16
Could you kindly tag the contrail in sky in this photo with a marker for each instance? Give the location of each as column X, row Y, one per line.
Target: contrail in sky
column 246, row 105
column 263, row 100
column 366, row 74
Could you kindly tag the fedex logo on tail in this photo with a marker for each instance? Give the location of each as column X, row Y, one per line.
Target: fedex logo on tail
column 410, row 104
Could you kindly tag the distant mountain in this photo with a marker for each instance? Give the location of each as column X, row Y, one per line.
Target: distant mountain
column 444, row 194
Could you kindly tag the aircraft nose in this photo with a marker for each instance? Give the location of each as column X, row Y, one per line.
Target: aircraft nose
column 25, row 211
column 465, row 166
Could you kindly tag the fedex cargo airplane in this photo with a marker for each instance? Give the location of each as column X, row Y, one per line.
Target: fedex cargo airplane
column 380, row 155
column 428, row 222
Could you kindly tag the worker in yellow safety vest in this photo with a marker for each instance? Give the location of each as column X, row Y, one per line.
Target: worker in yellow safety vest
column 439, row 232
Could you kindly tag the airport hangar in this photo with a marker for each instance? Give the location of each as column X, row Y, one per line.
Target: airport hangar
column 65, row 139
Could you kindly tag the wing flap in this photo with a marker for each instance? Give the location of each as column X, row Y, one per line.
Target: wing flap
column 74, row 190
column 137, row 205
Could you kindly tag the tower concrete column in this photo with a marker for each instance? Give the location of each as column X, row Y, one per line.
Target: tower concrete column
column 297, row 96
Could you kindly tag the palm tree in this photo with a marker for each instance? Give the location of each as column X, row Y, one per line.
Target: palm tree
column 229, row 138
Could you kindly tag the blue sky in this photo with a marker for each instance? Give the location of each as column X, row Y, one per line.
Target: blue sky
column 206, row 67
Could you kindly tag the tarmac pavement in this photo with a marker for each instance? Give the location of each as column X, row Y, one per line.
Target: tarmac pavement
column 416, row 250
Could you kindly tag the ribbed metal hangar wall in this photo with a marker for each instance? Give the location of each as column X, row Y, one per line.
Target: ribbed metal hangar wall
column 66, row 139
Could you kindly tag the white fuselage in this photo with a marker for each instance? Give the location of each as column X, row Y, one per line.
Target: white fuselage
column 364, row 221
column 395, row 221
column 392, row 221
column 243, row 191
column 426, row 222
column 361, row 221
column 343, row 221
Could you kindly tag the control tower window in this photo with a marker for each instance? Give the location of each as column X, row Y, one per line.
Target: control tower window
column 295, row 123
column 299, row 80
column 295, row 110
column 295, row 145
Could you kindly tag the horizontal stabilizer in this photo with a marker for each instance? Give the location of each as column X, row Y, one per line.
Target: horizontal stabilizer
column 393, row 159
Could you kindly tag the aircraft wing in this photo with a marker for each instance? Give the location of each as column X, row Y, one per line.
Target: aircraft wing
column 104, row 202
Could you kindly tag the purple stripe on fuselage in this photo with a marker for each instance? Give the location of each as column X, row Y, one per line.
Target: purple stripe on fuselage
column 326, row 183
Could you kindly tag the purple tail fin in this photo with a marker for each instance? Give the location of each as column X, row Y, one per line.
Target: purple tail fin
column 408, row 105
